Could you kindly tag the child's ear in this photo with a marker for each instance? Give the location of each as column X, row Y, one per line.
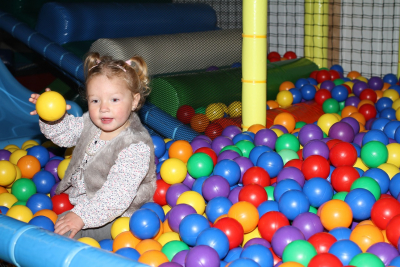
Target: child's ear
column 135, row 102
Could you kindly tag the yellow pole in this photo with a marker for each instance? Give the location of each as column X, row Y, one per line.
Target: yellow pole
column 254, row 63
column 398, row 59
column 308, row 30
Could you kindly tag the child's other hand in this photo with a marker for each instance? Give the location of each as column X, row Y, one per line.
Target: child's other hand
column 34, row 97
column 69, row 222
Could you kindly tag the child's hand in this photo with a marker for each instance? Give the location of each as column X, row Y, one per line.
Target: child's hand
column 69, row 222
column 34, row 97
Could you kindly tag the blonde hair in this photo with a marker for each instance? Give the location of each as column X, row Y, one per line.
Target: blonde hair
column 133, row 71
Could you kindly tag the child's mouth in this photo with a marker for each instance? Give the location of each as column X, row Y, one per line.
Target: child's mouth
column 106, row 120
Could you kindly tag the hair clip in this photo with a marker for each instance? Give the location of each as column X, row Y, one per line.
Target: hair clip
column 97, row 63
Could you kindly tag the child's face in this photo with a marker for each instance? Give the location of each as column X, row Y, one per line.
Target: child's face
column 110, row 104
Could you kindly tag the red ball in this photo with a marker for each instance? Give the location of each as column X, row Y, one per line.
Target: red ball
column 185, row 114
column 254, row 194
column 322, row 242
column 325, row 260
column 369, row 94
column 232, row 229
column 275, row 257
column 270, row 222
column 300, row 154
column 294, row 163
column 368, row 111
column 321, row 95
column 348, row 88
column 333, row 142
column 256, row 175
column 385, row 196
column 343, row 177
column 314, row 74
column 213, row 130
column 161, row 192
column 315, row 166
column 383, row 211
column 61, row 203
column 323, row 75
column 393, row 230
column 273, row 54
column 274, row 59
column 343, row 154
column 334, row 75
column 209, row 152
column 290, row 55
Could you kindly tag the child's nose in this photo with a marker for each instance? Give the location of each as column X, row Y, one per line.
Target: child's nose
column 103, row 106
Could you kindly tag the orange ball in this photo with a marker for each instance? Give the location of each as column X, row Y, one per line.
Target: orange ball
column 385, row 86
column 166, row 227
column 3, row 190
column 160, row 232
column 255, row 128
column 153, row 258
column 286, row 86
column 348, row 110
column 366, row 235
column 272, row 104
column 291, row 264
column 147, row 245
column 379, row 94
column 199, row 122
column 353, row 75
column 47, row 213
column 246, row 214
column 359, row 117
column 362, row 127
column 365, row 101
column 180, row 149
column 125, row 240
column 29, row 166
column 336, row 213
column 287, row 120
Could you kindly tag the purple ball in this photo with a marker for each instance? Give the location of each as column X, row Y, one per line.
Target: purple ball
column 51, row 154
column 174, row 191
column 180, row 257
column 171, row 264
column 231, row 131
column 234, row 194
column 326, row 139
column 220, row 142
column 308, row 223
column 352, row 101
column 342, row 131
column 227, row 154
column 4, row 154
column 158, row 176
column 53, row 189
column 51, row 167
column 265, row 137
column 291, row 173
column 215, row 186
column 203, row 137
column 257, row 241
column 202, row 255
column 177, row 213
column 212, row 68
column 358, row 138
column 244, row 164
column 199, row 143
column 328, row 85
column 375, row 83
column 384, row 251
column 368, row 124
column 316, row 147
column 391, row 141
column 279, row 127
column 284, row 236
column 309, row 132
column 358, row 87
column 353, row 123
column 189, row 181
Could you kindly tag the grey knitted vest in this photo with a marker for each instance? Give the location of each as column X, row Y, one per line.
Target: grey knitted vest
column 98, row 168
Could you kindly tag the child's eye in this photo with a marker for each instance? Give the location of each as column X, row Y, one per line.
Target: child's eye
column 115, row 99
column 94, row 101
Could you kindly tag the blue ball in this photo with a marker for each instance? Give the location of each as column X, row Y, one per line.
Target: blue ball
column 243, row 263
column 308, row 92
column 260, row 254
column 198, row 185
column 228, row 169
column 39, row 202
column 267, row 206
column 380, row 176
column 144, row 224
column 293, row 203
column 233, row 254
column 358, row 149
column 283, row 186
column 312, row 81
column 43, row 222
column 390, row 128
column 158, row 167
column 3, row 209
column 337, row 67
column 164, row 157
column 339, row 93
column 390, row 78
column 57, row 157
column 360, row 201
column 106, row 244
column 301, row 82
column 395, row 262
column 217, row 207
column 169, row 143
column 44, row 181
column 256, row 152
column 395, row 87
column 382, row 103
column 331, row 169
column 236, row 65
column 271, row 162
column 252, row 135
column 340, row 233
column 191, row 226
column 297, row 97
column 360, row 171
column 375, row 135
column 216, row 239
column 128, row 252
column 345, row 250
column 242, row 136
column 397, row 135
column 318, row 191
column 394, row 185
column 388, row 113
column 156, row 208
column 379, row 124
column 41, row 153
column 159, row 145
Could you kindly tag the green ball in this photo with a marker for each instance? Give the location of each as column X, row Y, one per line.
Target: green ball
column 299, row 124
column 245, row 146
column 330, row 105
column 22, row 203
column 172, row 247
column 299, row 251
column 374, row 153
column 369, row 184
column 366, row 260
column 199, row 165
column 313, row 210
column 342, row 105
column 232, row 147
column 287, row 141
column 200, row 110
column 340, row 195
column 287, row 155
column 23, row 189
column 323, row 68
column 338, row 81
column 270, row 192
column 324, row 134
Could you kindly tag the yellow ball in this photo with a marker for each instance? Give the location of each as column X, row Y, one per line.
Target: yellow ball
column 166, row 140
column 16, row 155
column 51, row 106
column 326, row 121
column 62, row 167
column 29, row 143
column 166, row 208
column 284, row 99
column 18, row 176
column 392, row 94
column 390, row 169
column 20, row 212
column 224, row 107
column 363, row 79
column 398, row 114
column 194, row 199
column 396, row 104
column 89, row 241
column 337, row 116
column 394, row 154
column 68, row 152
column 253, row 234
column 13, row 147
column 214, row 111
column 7, row 199
column 235, row 109
column 350, row 84
column 277, row 131
column 167, row 237
column 120, row 225
column 360, row 164
column 173, row 171
column 7, row 173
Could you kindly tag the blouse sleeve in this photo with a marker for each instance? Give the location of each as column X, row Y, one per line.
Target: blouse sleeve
column 118, row 192
column 65, row 132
